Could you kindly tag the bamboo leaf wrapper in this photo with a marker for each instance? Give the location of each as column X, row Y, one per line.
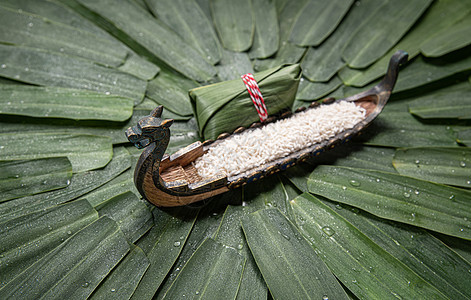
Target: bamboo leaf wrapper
column 224, row 106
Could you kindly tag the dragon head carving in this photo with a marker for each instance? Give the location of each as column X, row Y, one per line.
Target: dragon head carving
column 149, row 129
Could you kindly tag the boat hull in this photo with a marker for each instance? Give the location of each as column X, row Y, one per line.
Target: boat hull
column 174, row 181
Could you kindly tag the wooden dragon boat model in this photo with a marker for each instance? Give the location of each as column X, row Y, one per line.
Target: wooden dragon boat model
column 174, row 181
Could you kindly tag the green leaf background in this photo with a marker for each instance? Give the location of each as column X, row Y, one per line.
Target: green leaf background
column 386, row 216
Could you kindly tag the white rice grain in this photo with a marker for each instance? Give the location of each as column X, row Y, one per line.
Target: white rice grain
column 252, row 148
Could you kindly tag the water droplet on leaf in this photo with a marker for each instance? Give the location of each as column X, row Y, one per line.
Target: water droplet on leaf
column 327, row 230
column 285, row 236
column 354, row 183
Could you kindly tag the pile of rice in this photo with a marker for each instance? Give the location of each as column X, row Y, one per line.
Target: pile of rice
column 255, row 147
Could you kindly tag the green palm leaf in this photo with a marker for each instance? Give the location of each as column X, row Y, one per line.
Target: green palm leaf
column 441, row 14
column 322, row 62
column 168, row 237
column 37, row 145
column 205, row 278
column 130, row 213
column 395, row 197
column 234, row 22
column 80, row 184
column 102, row 242
column 447, row 40
column 153, row 36
column 266, row 35
column 189, row 21
column 464, row 136
column 63, row 103
column 35, row 66
column 287, row 52
column 358, row 262
column 277, row 246
column 29, row 30
column 392, row 21
column 442, row 165
column 28, row 238
column 317, row 21
column 122, row 281
column 33, row 176
column 450, row 102
column 75, row 74
column 233, row 64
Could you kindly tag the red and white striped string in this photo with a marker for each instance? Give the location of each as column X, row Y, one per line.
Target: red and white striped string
column 255, row 95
